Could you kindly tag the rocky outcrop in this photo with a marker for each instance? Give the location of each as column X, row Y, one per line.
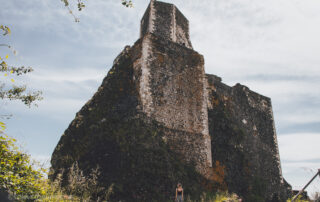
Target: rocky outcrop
column 158, row 119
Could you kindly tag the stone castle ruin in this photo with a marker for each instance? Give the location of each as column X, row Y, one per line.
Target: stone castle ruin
column 158, row 110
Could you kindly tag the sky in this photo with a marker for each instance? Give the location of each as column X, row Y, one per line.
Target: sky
column 273, row 47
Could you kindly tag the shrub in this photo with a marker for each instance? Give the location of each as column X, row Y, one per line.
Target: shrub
column 79, row 188
column 216, row 197
column 18, row 177
column 298, row 199
column 22, row 181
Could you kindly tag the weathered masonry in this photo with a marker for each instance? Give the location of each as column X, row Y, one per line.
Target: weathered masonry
column 157, row 118
column 172, row 84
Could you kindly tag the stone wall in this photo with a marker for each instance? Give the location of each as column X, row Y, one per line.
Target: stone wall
column 244, row 140
column 146, row 22
column 181, row 28
column 166, row 21
column 172, row 89
column 139, row 155
column 157, row 118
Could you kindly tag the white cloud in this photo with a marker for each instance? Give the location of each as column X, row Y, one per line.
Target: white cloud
column 299, row 173
column 300, row 157
column 236, row 40
column 299, row 147
column 70, row 75
column 58, row 109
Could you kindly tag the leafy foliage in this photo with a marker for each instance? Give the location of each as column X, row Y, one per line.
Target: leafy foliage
column 15, row 92
column 299, row 199
column 86, row 187
column 79, row 188
column 18, row 177
column 23, row 182
column 5, row 29
column 17, row 173
column 127, row 3
column 81, row 6
column 216, row 197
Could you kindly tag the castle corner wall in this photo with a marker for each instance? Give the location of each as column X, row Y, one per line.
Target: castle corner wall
column 244, row 140
column 173, row 92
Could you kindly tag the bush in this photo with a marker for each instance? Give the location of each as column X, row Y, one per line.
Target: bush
column 298, row 199
column 18, row 177
column 79, row 188
column 22, row 181
column 216, row 197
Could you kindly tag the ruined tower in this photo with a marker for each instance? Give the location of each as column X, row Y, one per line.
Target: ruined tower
column 172, row 85
column 157, row 119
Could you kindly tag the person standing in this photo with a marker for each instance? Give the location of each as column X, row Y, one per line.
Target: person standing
column 179, row 193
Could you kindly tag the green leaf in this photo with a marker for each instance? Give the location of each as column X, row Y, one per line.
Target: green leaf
column 2, row 126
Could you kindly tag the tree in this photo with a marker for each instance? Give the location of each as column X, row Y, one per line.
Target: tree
column 23, row 181
column 14, row 92
column 17, row 175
